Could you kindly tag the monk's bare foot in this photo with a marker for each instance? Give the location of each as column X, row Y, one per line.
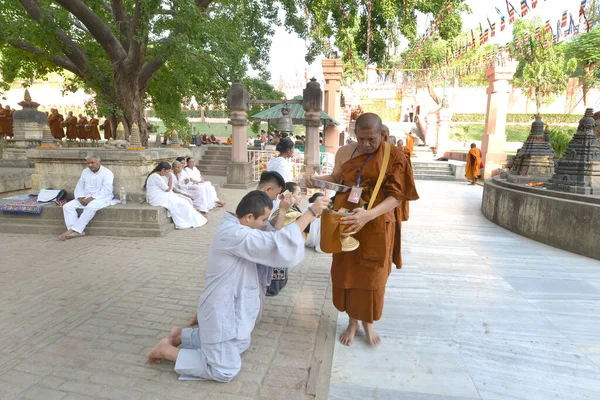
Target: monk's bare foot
column 347, row 337
column 63, row 236
column 194, row 319
column 158, row 352
column 175, row 337
column 373, row 338
column 220, row 203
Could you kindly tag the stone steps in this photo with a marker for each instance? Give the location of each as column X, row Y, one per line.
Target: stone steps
column 436, row 177
column 215, row 160
column 130, row 220
column 433, row 170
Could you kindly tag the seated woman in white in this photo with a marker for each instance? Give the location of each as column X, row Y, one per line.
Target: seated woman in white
column 209, row 193
column 158, row 186
column 183, row 186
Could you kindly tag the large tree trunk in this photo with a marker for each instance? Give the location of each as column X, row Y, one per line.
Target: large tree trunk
column 588, row 77
column 431, row 90
column 129, row 99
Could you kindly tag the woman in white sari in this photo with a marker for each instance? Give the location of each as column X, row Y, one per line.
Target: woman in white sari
column 158, row 186
column 208, row 198
column 183, row 186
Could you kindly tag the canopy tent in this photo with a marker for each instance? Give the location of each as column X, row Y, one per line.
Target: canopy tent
column 273, row 114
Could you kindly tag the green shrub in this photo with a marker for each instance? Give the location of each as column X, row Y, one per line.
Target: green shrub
column 521, row 118
column 560, row 138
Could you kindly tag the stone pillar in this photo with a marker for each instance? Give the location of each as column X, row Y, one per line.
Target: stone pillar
column 444, row 115
column 312, row 100
column 494, row 139
column 430, row 128
column 333, row 71
column 239, row 170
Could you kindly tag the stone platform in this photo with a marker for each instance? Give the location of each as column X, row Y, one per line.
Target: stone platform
column 130, row 220
column 14, row 179
column 567, row 221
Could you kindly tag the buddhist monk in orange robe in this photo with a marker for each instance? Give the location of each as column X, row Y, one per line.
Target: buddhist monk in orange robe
column 82, row 133
column 106, row 127
column 55, row 122
column 359, row 277
column 410, row 144
column 473, row 167
column 94, row 133
column 3, row 122
column 71, row 124
column 9, row 122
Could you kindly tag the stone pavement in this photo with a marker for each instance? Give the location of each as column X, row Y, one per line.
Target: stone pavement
column 78, row 318
column 477, row 312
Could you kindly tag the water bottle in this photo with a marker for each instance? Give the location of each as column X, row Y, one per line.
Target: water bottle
column 123, row 195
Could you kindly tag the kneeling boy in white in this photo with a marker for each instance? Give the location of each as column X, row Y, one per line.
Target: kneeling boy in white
column 230, row 302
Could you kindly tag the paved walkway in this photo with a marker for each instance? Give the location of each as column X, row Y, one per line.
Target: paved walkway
column 477, row 312
column 77, row 319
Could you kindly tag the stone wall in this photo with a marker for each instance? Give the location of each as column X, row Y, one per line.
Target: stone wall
column 566, row 221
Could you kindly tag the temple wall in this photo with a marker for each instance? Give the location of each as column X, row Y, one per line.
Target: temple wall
column 566, row 221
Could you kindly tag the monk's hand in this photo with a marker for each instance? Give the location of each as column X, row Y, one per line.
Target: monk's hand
column 356, row 220
column 321, row 203
column 308, row 181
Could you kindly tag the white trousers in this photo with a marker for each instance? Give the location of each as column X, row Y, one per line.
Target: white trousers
column 78, row 223
column 219, row 362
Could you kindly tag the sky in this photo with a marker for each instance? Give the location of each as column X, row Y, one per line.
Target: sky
column 288, row 50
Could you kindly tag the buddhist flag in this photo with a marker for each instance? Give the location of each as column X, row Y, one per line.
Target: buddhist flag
column 534, row 3
column 486, row 36
column 582, row 8
column 448, row 7
column 472, row 38
column 507, row 48
column 538, row 33
column 517, row 44
column 554, row 40
column 524, row 8
column 492, row 27
column 547, row 27
column 481, row 39
column 563, row 21
column 511, row 12
column 502, row 20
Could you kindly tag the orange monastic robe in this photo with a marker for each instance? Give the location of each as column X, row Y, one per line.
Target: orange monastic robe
column 3, row 120
column 55, row 122
column 94, row 132
column 10, row 123
column 473, row 167
column 106, row 127
column 71, row 124
column 410, row 144
column 81, row 128
column 359, row 277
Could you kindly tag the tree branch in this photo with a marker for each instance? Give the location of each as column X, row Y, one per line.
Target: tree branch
column 99, row 30
column 74, row 53
column 203, row 4
column 137, row 49
column 61, row 61
column 148, row 70
column 123, row 22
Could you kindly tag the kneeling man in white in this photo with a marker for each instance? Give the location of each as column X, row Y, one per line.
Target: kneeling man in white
column 94, row 191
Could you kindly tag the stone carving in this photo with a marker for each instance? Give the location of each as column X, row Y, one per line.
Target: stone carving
column 535, row 160
column 134, row 139
column 175, row 139
column 120, row 132
column 47, row 138
column 579, row 170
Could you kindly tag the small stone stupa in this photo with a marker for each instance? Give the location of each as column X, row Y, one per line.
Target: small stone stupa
column 597, row 119
column 174, row 139
column 535, row 160
column 135, row 143
column 579, row 170
column 120, row 132
column 47, row 138
column 29, row 122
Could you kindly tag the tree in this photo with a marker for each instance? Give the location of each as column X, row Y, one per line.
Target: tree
column 583, row 50
column 542, row 69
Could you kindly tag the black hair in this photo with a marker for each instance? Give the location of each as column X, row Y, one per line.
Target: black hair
column 284, row 145
column 187, row 160
column 315, row 196
column 291, row 186
column 271, row 177
column 254, row 203
column 161, row 165
column 180, row 159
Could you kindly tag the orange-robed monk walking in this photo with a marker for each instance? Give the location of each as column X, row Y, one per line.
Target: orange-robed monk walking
column 359, row 277
column 473, row 167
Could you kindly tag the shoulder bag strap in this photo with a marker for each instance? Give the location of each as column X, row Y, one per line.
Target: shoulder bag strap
column 386, row 159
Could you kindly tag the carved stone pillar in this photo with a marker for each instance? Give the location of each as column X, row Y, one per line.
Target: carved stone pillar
column 444, row 115
column 494, row 140
column 333, row 71
column 312, row 100
column 239, row 170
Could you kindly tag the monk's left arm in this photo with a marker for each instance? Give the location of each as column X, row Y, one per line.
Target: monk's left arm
column 385, row 206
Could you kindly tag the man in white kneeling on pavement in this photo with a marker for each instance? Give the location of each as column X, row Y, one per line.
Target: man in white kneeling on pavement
column 93, row 192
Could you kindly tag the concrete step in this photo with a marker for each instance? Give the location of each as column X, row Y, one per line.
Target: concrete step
column 429, row 177
column 429, row 164
column 204, row 162
column 433, row 172
column 130, row 220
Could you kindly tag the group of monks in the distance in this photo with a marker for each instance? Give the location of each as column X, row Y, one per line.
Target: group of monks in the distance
column 6, row 122
column 74, row 128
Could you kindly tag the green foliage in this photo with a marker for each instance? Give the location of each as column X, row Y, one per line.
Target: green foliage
column 543, row 71
column 583, row 54
column 560, row 138
column 260, row 90
column 514, row 133
column 521, row 118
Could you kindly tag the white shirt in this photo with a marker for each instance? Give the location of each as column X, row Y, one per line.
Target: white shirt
column 230, row 302
column 156, row 194
column 98, row 185
column 193, row 173
column 283, row 166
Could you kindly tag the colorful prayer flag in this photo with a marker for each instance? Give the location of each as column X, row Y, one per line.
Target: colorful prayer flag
column 554, row 40
column 502, row 24
column 493, row 26
column 524, row 8
column 563, row 22
column 582, row 8
column 448, row 7
column 538, row 33
column 534, row 3
column 486, row 35
column 517, row 44
column 547, row 27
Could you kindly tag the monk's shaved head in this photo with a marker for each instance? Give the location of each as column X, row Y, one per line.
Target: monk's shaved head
column 385, row 130
column 368, row 121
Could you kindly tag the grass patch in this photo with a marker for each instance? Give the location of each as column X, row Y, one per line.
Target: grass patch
column 514, row 133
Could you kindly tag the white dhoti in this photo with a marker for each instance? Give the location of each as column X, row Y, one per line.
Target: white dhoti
column 78, row 223
column 219, row 362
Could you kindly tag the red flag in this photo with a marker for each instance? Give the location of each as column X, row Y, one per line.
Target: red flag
column 524, row 8
column 534, row 3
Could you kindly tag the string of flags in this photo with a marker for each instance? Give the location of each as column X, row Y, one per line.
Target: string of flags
column 456, row 50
